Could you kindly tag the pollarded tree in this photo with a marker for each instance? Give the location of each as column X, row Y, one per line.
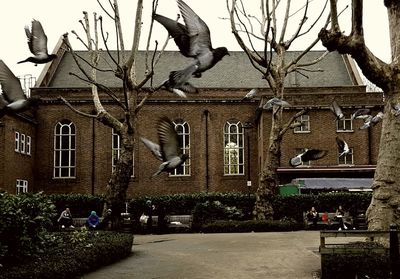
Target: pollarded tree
column 274, row 65
column 123, row 64
column 385, row 204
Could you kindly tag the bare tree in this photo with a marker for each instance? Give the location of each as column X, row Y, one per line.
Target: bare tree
column 385, row 204
column 129, row 99
column 273, row 64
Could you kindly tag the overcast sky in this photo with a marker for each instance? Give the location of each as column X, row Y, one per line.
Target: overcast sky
column 58, row 17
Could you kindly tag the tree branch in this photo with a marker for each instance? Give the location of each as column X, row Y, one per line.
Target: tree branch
column 76, row 110
column 286, row 126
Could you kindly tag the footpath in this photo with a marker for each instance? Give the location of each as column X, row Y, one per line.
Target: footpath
column 291, row 255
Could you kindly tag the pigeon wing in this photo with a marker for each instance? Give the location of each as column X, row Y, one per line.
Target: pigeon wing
column 178, row 32
column 200, row 41
column 153, row 147
column 313, row 154
column 37, row 40
column 10, row 84
column 168, row 137
column 340, row 144
column 336, row 109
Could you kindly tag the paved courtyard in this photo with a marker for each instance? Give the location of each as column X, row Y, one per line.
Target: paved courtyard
column 236, row 255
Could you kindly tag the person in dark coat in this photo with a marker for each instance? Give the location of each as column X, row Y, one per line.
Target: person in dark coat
column 65, row 219
column 93, row 221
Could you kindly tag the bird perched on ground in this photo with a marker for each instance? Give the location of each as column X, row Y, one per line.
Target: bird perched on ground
column 275, row 101
column 342, row 146
column 361, row 113
column 337, row 111
column 37, row 42
column 307, row 155
column 371, row 121
column 251, row 94
column 168, row 150
column 13, row 98
column 193, row 40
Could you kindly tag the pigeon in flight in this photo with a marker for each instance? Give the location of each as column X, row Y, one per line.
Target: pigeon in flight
column 169, row 150
column 13, row 98
column 342, row 146
column 251, row 94
column 361, row 113
column 307, row 155
column 178, row 83
column 193, row 40
column 275, row 101
column 371, row 121
column 337, row 111
column 37, row 42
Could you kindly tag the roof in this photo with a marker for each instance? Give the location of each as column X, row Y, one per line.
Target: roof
column 234, row 71
column 334, row 183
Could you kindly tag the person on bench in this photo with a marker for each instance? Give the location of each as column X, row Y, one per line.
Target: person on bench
column 65, row 219
column 312, row 216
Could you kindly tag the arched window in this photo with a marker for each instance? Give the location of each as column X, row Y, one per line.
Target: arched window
column 64, row 150
column 183, row 130
column 233, row 148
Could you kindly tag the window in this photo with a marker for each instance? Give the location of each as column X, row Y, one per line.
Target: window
column 183, row 130
column 28, row 145
column 64, row 150
column 233, row 148
column 299, row 151
column 22, row 186
column 344, row 125
column 305, row 124
column 116, row 151
column 346, row 159
column 22, row 142
column 16, row 135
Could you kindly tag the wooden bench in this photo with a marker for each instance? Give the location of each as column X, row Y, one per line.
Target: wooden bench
column 332, row 222
column 81, row 222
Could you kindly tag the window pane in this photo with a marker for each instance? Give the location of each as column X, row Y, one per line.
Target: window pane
column 233, row 148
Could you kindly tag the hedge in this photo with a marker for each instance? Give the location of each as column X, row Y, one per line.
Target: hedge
column 222, row 226
column 73, row 254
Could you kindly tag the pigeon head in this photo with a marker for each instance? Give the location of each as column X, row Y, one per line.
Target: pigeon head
column 184, row 157
column 220, row 52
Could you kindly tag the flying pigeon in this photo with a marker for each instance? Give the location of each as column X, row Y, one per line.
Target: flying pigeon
column 307, row 155
column 13, row 98
column 250, row 95
column 178, row 83
column 342, row 146
column 275, row 101
column 371, row 121
column 168, row 151
column 193, row 40
column 37, row 42
column 361, row 113
column 337, row 111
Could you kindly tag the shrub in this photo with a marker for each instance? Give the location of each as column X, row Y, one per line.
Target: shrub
column 211, row 211
column 80, row 205
column 24, row 220
column 71, row 256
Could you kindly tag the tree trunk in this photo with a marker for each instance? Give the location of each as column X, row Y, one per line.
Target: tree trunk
column 268, row 184
column 385, row 205
column 119, row 181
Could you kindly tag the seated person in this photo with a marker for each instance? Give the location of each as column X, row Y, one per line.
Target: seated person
column 93, row 220
column 339, row 216
column 312, row 215
column 65, row 219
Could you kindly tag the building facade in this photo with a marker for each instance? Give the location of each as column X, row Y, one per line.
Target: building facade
column 225, row 137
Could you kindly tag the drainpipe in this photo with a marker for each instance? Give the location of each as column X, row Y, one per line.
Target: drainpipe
column 93, row 155
column 206, row 114
column 369, row 147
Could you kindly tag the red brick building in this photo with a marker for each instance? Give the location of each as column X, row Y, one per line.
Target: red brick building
column 70, row 153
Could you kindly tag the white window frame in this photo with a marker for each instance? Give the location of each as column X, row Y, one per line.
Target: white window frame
column 233, row 147
column 22, row 144
column 17, row 142
column 21, row 186
column 61, row 151
column 304, row 128
column 28, row 145
column 183, row 130
column 344, row 159
column 345, row 122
